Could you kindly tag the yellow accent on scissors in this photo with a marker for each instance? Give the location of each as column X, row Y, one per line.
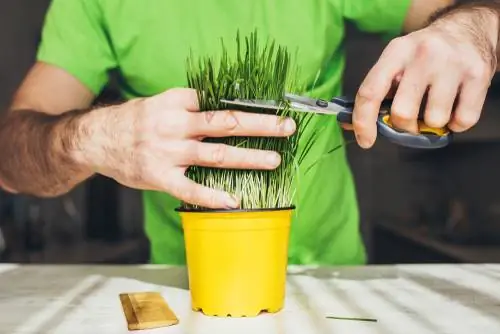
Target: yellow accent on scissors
column 422, row 127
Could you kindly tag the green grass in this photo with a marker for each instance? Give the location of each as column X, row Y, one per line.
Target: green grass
column 261, row 72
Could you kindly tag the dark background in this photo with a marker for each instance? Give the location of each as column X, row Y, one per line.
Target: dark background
column 415, row 206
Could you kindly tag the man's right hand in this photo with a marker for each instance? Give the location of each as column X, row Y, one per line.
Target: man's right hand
column 149, row 143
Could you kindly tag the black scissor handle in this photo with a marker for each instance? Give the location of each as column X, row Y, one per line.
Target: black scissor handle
column 345, row 117
column 428, row 138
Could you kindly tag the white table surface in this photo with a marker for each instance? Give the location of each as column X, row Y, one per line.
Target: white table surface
column 404, row 299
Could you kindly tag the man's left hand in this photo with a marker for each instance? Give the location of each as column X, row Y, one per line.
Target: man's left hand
column 452, row 60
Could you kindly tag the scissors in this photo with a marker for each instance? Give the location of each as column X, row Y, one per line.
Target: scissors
column 342, row 107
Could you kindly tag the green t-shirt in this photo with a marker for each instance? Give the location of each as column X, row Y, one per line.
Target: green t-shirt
column 148, row 42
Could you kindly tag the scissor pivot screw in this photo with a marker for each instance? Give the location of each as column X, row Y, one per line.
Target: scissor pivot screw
column 322, row 103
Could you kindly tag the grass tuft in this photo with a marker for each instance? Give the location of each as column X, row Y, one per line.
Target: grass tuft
column 255, row 72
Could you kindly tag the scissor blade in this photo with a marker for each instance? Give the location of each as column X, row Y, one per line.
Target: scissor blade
column 294, row 105
column 315, row 105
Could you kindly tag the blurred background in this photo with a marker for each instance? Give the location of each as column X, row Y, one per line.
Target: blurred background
column 415, row 206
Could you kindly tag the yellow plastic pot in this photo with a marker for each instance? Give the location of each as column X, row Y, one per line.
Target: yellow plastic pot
column 237, row 260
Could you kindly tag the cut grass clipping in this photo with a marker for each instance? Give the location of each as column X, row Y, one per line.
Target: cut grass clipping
column 256, row 72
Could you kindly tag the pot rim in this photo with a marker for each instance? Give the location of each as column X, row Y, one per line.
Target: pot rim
column 181, row 209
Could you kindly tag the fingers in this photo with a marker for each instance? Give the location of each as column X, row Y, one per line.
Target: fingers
column 477, row 80
column 441, row 99
column 193, row 193
column 375, row 88
column 6, row 188
column 226, row 156
column 235, row 123
column 470, row 104
column 408, row 98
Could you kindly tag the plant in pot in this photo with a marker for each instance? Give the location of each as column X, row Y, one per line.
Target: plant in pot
column 237, row 259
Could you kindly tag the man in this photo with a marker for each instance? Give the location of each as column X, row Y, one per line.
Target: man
column 52, row 140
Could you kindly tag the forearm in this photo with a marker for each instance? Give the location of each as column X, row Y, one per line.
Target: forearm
column 481, row 18
column 43, row 155
column 420, row 11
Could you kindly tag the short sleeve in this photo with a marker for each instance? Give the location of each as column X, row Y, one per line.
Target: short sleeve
column 377, row 16
column 74, row 38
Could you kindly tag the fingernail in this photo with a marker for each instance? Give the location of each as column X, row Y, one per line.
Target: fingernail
column 363, row 142
column 289, row 125
column 273, row 159
column 232, row 202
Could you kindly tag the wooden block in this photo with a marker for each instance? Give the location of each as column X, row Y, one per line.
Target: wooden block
column 146, row 310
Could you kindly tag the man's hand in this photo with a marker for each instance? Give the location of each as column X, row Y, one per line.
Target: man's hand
column 52, row 141
column 452, row 60
column 149, row 143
